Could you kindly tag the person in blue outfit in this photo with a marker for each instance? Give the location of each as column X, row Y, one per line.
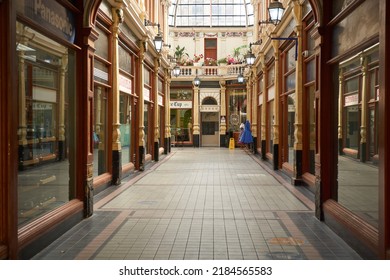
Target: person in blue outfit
column 246, row 137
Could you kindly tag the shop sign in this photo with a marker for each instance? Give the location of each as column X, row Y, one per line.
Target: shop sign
column 124, row 84
column 271, row 93
column 146, row 94
column 160, row 100
column 209, row 108
column 181, row 104
column 42, row 106
column 97, row 73
column 351, row 100
column 50, row 15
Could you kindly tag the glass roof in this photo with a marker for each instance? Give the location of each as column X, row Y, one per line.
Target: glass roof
column 210, row 13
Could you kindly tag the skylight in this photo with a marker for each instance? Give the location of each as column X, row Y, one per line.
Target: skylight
column 211, row 13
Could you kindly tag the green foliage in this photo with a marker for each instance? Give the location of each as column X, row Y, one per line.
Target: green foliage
column 239, row 51
column 180, row 53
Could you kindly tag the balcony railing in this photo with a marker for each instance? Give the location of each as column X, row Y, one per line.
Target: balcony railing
column 212, row 71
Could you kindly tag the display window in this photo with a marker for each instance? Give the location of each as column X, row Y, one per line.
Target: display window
column 46, row 123
column 100, row 130
column 126, row 103
column 161, row 112
column 125, row 119
column 148, row 111
column 181, row 116
column 102, row 93
column 270, row 109
column 260, row 85
column 357, row 163
column 288, row 106
column 236, row 109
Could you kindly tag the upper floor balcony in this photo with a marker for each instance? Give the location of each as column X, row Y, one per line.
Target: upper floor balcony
column 219, row 72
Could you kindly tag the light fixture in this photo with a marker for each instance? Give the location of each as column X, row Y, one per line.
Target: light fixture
column 250, row 57
column 196, row 80
column 158, row 42
column 240, row 78
column 275, row 11
column 158, row 39
column 176, row 71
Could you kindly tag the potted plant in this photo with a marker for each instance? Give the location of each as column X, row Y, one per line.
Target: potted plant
column 180, row 54
column 238, row 56
column 197, row 58
column 222, row 61
column 210, row 61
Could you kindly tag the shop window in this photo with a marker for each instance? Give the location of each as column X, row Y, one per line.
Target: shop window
column 181, row 115
column 290, row 127
column 100, row 132
column 352, row 127
column 146, row 127
column 236, row 109
column 46, row 124
column 357, row 163
column 125, row 115
column 270, row 126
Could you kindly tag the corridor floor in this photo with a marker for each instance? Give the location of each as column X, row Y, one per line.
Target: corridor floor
column 206, row 204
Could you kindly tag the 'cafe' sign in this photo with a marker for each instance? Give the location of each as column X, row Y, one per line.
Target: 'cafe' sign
column 181, row 104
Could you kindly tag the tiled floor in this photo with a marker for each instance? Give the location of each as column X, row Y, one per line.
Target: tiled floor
column 207, row 203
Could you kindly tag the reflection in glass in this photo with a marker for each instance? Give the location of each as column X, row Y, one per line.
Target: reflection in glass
column 290, row 128
column 270, row 127
column 358, row 174
column 46, row 124
column 236, row 109
column 125, row 128
column 352, row 128
column 181, row 125
column 311, row 106
column 146, row 126
column 100, row 131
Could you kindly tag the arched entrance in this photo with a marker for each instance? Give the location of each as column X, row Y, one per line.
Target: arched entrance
column 209, row 122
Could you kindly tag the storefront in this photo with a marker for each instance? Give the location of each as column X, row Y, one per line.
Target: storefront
column 352, row 202
column 44, row 188
column 181, row 106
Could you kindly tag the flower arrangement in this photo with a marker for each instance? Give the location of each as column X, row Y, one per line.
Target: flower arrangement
column 198, row 57
column 231, row 60
column 187, row 62
column 210, row 61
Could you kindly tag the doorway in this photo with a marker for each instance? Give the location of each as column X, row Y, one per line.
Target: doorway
column 210, row 129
